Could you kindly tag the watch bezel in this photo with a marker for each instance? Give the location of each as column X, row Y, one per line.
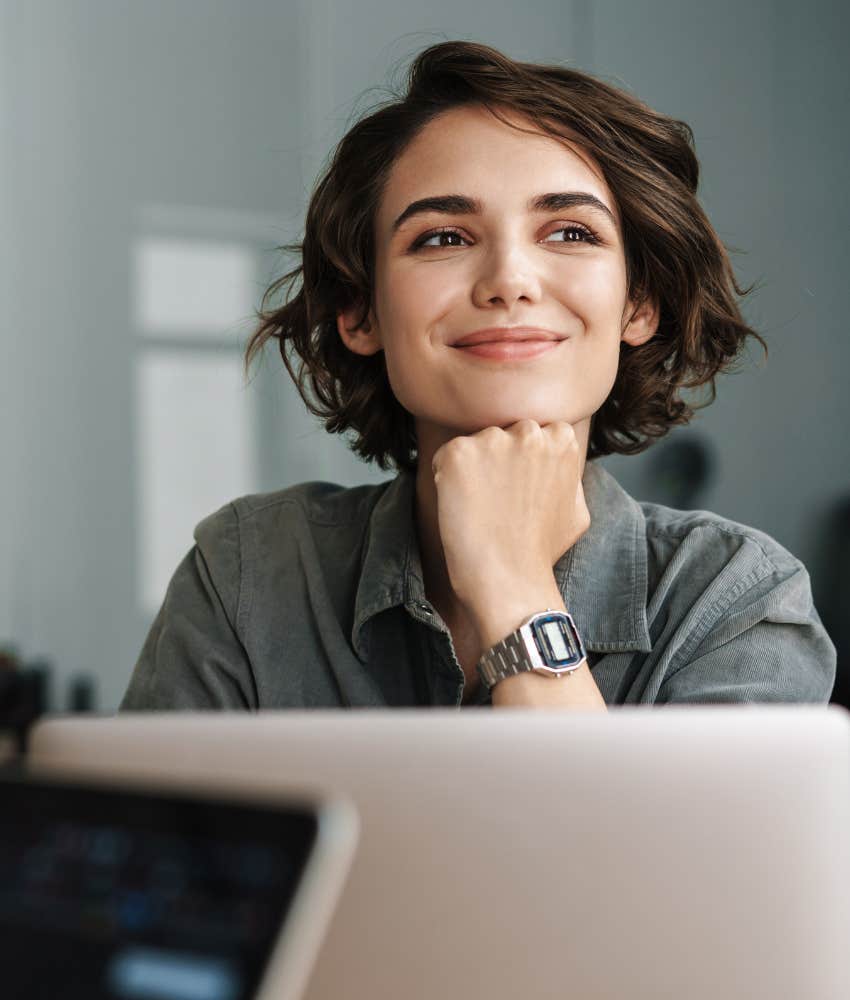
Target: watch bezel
column 546, row 662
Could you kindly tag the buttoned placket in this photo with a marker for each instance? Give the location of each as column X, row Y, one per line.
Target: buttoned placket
column 443, row 661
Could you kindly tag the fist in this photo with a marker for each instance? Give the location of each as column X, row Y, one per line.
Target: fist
column 510, row 503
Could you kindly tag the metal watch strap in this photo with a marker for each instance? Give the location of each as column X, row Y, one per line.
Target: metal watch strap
column 505, row 658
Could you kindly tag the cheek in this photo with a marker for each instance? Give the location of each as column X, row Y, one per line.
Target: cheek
column 399, row 373
column 402, row 357
column 411, row 318
column 419, row 300
column 595, row 292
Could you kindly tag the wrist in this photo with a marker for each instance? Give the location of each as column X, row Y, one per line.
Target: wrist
column 502, row 614
column 530, row 690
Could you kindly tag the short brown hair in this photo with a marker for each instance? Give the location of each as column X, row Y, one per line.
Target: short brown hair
column 673, row 255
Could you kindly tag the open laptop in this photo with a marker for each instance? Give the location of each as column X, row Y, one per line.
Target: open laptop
column 689, row 852
column 135, row 891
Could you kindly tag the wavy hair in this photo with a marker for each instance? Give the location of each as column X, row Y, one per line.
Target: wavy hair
column 673, row 255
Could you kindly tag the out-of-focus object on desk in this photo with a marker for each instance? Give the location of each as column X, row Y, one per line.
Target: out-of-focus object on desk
column 81, row 694
column 689, row 851
column 23, row 699
column 25, row 695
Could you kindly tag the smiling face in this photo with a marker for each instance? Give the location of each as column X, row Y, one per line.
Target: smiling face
column 502, row 251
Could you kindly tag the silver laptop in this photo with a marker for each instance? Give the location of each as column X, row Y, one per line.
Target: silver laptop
column 690, row 852
column 115, row 889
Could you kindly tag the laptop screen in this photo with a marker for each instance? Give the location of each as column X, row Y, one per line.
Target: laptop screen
column 141, row 896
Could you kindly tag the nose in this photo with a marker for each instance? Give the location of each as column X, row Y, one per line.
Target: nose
column 506, row 275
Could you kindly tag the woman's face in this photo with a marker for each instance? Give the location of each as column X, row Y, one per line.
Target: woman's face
column 490, row 257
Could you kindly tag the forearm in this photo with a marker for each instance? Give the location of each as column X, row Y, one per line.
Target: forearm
column 496, row 617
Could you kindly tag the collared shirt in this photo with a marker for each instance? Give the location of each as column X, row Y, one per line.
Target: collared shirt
column 313, row 596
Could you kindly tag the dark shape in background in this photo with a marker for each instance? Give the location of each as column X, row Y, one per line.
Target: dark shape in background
column 830, row 573
column 680, row 471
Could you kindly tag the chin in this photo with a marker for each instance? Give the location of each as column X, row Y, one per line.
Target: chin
column 505, row 419
column 474, row 419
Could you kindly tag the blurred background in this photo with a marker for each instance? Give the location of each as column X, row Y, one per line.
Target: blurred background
column 154, row 155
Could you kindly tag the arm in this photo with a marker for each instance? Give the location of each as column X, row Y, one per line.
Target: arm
column 192, row 657
column 510, row 503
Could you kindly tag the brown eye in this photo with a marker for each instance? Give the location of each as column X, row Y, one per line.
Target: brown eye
column 425, row 240
column 574, row 234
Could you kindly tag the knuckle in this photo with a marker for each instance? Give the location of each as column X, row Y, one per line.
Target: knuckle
column 489, row 433
column 563, row 431
column 569, row 444
column 453, row 449
column 527, row 427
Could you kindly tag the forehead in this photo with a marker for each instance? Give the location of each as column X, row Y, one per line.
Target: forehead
column 469, row 151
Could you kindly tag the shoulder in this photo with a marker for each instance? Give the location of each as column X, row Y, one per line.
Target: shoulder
column 717, row 575
column 315, row 502
column 707, row 542
column 733, row 612
column 259, row 537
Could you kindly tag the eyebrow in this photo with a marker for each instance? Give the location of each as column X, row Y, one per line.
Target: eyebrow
column 459, row 204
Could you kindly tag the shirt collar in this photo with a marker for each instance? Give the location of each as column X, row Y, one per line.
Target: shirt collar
column 602, row 578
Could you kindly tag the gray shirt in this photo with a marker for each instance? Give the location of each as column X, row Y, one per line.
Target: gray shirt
column 312, row 596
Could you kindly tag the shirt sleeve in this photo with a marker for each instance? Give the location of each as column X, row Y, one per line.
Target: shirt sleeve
column 192, row 657
column 764, row 644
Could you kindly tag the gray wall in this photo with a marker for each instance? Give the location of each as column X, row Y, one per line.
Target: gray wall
column 211, row 119
column 765, row 88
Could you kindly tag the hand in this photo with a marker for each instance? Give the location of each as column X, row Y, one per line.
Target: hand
column 510, row 503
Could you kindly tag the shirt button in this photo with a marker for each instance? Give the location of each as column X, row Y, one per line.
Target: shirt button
column 425, row 608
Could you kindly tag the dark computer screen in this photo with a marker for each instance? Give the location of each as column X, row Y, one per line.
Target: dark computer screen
column 133, row 895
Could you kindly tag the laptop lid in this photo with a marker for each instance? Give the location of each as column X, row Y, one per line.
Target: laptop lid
column 691, row 852
column 132, row 891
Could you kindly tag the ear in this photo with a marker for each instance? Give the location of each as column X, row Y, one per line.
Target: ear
column 364, row 339
column 641, row 321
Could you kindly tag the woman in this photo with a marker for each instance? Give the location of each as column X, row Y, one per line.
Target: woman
column 505, row 275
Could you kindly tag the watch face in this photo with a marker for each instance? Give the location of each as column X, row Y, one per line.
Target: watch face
column 557, row 642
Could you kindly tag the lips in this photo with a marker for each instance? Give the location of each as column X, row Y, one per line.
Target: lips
column 497, row 335
column 509, row 350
